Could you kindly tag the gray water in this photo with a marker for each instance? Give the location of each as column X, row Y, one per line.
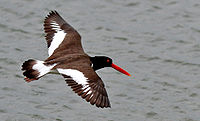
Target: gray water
column 157, row 41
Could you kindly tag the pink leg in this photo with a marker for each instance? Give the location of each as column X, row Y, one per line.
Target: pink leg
column 29, row 80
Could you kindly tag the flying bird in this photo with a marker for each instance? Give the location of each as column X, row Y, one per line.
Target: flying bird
column 67, row 58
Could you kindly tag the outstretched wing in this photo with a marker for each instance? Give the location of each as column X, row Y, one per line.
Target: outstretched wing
column 61, row 36
column 86, row 83
column 64, row 48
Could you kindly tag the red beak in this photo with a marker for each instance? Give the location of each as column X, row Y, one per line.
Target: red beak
column 120, row 69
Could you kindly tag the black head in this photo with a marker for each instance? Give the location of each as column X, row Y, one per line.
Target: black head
column 99, row 62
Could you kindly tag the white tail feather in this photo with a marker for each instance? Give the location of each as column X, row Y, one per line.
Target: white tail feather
column 41, row 68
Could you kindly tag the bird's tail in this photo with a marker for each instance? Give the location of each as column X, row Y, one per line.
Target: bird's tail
column 34, row 69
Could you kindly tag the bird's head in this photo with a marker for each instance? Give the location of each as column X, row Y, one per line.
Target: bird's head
column 99, row 62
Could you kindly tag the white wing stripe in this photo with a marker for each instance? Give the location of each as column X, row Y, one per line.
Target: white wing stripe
column 57, row 38
column 76, row 76
column 86, row 89
column 86, row 86
column 55, row 26
column 89, row 93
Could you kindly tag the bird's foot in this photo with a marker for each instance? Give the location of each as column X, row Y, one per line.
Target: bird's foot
column 29, row 80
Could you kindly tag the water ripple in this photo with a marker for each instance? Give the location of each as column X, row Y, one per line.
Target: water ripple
column 180, row 62
column 151, row 114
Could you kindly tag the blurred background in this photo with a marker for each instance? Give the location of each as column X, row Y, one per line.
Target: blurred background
column 157, row 41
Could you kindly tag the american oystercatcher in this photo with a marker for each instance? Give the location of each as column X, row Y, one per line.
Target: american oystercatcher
column 67, row 57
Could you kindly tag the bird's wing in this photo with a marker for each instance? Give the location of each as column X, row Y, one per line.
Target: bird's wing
column 85, row 82
column 60, row 36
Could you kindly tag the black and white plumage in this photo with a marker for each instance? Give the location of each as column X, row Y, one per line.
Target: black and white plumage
column 68, row 58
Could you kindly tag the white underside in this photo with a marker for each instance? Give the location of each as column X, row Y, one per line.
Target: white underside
column 57, row 38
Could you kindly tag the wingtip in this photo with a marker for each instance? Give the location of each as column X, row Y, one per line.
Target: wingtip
column 51, row 13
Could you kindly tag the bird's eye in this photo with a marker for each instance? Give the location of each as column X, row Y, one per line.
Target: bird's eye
column 108, row 60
